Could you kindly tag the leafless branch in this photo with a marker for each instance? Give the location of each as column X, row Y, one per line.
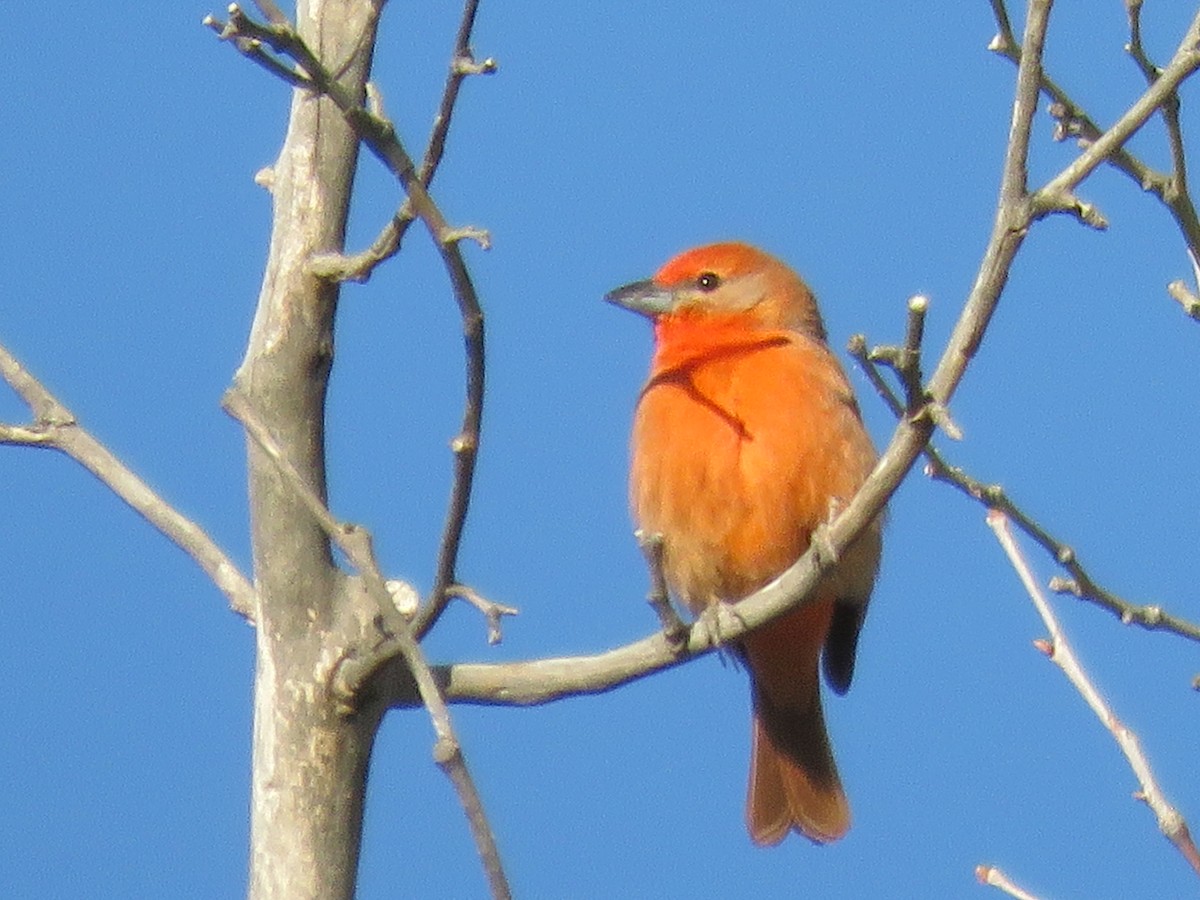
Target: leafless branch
column 359, row 266
column 381, row 139
column 1170, row 188
column 905, row 360
column 1080, row 583
column 55, row 427
column 992, row 496
column 1059, row 650
column 1176, row 188
column 991, row 875
column 356, row 543
column 1185, row 61
column 493, row 612
column 252, row 48
column 540, row 681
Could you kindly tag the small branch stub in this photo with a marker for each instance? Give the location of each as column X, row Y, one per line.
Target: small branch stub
column 493, row 612
column 992, row 876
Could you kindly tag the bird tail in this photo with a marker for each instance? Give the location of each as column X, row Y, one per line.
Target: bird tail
column 794, row 783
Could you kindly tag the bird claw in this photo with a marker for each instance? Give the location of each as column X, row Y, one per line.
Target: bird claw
column 822, row 544
column 717, row 620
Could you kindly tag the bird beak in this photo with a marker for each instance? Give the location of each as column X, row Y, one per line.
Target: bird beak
column 643, row 297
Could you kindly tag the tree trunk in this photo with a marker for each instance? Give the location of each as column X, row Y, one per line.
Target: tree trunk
column 310, row 759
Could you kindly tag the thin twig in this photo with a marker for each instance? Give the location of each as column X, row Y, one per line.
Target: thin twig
column 1080, row 584
column 356, row 543
column 1186, row 298
column 992, row 876
column 493, row 612
column 359, row 266
column 253, row 50
column 1073, row 121
column 379, row 136
column 905, row 360
column 55, row 427
column 1052, row 196
column 992, row 496
column 1177, row 185
column 1059, row 650
column 462, row 65
column 1174, row 189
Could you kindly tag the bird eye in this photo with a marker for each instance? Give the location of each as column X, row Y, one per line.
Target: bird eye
column 708, row 281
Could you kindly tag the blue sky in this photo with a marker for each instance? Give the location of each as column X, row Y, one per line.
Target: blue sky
column 861, row 142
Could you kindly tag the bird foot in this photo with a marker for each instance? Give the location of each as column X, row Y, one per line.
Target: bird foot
column 717, row 620
column 827, row 553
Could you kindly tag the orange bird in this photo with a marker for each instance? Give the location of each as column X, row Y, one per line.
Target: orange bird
column 746, row 439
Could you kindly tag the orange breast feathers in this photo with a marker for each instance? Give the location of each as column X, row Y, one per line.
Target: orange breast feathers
column 746, row 439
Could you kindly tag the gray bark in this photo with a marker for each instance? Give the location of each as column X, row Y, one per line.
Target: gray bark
column 310, row 759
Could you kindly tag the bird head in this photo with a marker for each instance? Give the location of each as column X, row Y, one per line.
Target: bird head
column 723, row 282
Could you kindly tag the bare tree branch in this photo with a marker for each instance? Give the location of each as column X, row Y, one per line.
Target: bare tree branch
column 1080, row 584
column 381, row 139
column 1185, row 61
column 492, row 612
column 1175, row 187
column 992, row 496
column 1059, row 651
column 359, row 266
column 55, row 427
column 356, row 543
column 904, row 360
column 1073, row 121
column 540, row 681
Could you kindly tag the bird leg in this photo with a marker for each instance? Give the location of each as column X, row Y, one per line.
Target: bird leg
column 827, row 553
column 673, row 628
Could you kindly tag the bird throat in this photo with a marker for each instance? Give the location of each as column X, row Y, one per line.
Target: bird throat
column 689, row 348
column 685, row 342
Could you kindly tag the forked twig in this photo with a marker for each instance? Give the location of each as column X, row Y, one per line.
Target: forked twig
column 493, row 612
column 359, row 266
column 379, row 136
column 1080, row 584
